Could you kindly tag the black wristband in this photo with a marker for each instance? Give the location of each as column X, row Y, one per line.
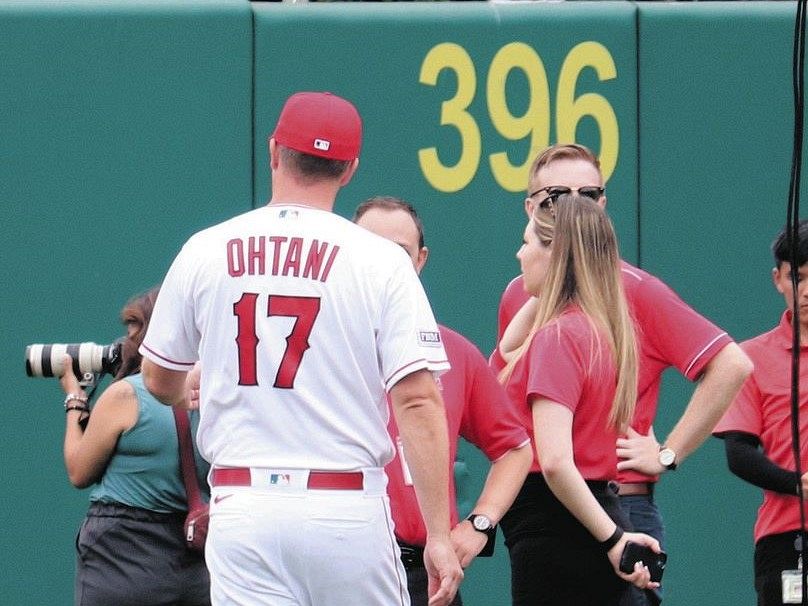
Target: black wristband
column 612, row 540
column 81, row 408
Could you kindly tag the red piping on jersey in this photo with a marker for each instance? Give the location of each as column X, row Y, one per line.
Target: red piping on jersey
column 401, row 369
column 154, row 353
column 413, row 363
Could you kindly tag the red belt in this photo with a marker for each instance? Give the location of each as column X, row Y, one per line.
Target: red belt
column 318, row 480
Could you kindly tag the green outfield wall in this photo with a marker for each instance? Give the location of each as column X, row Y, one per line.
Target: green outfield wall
column 715, row 126
column 126, row 126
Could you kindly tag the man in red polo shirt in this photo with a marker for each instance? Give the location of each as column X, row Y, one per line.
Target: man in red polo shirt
column 757, row 427
column 670, row 334
column 477, row 409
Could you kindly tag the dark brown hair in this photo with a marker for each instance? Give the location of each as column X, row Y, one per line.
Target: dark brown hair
column 313, row 168
column 391, row 203
column 137, row 312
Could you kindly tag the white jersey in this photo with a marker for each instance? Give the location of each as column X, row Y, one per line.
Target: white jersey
column 302, row 321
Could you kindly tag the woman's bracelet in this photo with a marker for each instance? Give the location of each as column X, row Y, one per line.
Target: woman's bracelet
column 81, row 408
column 612, row 540
column 75, row 397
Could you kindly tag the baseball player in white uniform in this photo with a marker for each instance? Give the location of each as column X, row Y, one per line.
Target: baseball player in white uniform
column 302, row 322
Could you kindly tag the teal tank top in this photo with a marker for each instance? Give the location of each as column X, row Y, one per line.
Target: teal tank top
column 144, row 470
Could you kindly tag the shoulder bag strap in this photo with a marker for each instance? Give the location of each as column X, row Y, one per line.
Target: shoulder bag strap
column 187, row 463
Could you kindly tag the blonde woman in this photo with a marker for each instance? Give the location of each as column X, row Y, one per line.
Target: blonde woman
column 572, row 363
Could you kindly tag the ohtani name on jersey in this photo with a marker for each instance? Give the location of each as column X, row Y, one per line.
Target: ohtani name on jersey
column 280, row 256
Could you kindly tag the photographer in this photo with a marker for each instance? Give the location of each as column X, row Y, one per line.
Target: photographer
column 131, row 548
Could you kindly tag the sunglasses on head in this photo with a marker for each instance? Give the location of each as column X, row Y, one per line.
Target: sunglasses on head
column 555, row 191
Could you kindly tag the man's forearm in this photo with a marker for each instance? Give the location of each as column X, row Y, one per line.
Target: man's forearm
column 505, row 479
column 720, row 384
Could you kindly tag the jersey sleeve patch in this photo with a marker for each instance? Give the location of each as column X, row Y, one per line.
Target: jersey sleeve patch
column 429, row 338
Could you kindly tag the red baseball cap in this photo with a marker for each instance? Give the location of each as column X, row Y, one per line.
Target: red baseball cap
column 320, row 124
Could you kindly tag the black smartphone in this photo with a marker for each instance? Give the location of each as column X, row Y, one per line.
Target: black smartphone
column 634, row 552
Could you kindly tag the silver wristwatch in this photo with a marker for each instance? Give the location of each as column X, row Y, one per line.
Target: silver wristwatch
column 667, row 458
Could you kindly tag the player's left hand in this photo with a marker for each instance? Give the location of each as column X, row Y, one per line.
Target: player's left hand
column 443, row 571
column 467, row 542
column 639, row 452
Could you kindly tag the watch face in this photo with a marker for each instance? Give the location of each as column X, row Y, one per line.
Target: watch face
column 481, row 523
column 666, row 457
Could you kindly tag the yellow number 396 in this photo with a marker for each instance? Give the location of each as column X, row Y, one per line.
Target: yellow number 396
column 533, row 123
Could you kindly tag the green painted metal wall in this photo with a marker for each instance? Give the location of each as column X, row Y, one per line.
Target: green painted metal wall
column 716, row 122
column 489, row 62
column 124, row 127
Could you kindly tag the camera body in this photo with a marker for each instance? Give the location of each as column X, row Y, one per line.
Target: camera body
column 45, row 360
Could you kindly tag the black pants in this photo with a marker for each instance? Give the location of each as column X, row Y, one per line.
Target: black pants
column 133, row 557
column 555, row 561
column 774, row 554
column 417, row 587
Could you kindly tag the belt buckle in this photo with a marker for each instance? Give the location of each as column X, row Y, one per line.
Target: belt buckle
column 411, row 556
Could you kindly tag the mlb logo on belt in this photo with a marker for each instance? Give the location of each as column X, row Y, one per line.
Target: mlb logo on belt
column 280, row 478
column 322, row 144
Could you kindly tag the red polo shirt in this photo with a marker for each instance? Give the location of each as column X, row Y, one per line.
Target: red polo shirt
column 478, row 409
column 567, row 363
column 669, row 334
column 763, row 408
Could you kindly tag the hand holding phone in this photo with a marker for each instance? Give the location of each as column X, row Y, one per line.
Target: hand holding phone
column 635, row 552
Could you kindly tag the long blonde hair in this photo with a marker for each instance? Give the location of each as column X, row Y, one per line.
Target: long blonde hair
column 585, row 270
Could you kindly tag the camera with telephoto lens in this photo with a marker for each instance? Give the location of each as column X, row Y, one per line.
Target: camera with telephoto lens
column 88, row 359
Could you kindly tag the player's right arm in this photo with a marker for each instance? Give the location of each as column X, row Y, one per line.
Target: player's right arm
column 168, row 386
column 170, row 346
column 421, row 418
